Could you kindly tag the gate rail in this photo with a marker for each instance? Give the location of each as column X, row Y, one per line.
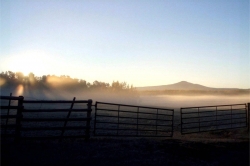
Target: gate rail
column 10, row 116
column 112, row 119
column 212, row 118
column 29, row 116
column 132, row 121
column 18, row 120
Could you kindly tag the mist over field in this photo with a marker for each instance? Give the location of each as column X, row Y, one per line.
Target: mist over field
column 69, row 95
column 51, row 87
column 165, row 101
column 178, row 101
column 181, row 94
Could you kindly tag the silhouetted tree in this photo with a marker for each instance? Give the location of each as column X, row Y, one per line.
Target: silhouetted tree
column 11, row 75
column 63, row 82
column 20, row 77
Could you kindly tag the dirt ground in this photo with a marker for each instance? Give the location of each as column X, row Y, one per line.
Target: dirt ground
column 212, row 148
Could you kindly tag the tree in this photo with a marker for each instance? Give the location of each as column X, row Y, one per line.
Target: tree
column 32, row 78
column 20, row 77
column 11, row 75
column 118, row 86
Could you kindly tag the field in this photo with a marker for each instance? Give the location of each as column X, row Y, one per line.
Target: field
column 192, row 150
column 225, row 147
column 178, row 101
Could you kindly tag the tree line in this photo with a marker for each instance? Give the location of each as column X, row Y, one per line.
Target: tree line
column 63, row 82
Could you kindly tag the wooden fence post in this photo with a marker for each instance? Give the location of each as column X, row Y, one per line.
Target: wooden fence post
column 18, row 119
column 88, row 120
column 8, row 113
column 8, row 109
column 181, row 120
column 172, row 124
column 95, row 118
column 248, row 111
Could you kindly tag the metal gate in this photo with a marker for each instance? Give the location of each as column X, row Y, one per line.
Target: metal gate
column 211, row 118
column 135, row 121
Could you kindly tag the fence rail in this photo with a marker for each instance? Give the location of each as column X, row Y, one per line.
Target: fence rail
column 212, row 118
column 26, row 121
column 133, row 121
column 43, row 119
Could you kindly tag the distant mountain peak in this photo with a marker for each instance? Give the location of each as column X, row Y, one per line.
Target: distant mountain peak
column 182, row 85
column 183, row 82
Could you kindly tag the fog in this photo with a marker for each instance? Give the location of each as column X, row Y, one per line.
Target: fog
column 162, row 101
column 66, row 88
column 178, row 101
column 101, row 96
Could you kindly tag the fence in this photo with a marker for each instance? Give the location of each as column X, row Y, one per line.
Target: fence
column 210, row 118
column 11, row 108
column 53, row 121
column 38, row 119
column 129, row 120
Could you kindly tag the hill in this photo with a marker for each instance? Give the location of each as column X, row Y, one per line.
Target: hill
column 183, row 85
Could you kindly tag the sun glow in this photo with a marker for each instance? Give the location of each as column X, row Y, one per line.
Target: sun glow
column 2, row 81
column 34, row 61
column 19, row 90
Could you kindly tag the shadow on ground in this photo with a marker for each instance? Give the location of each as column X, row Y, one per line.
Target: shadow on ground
column 129, row 151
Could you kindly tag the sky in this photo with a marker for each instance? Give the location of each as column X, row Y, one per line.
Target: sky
column 142, row 42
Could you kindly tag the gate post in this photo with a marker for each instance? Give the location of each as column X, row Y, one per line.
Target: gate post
column 248, row 111
column 95, row 118
column 18, row 119
column 88, row 119
column 181, row 120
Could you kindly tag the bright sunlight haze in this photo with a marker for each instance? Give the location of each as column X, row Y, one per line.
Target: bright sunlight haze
column 145, row 43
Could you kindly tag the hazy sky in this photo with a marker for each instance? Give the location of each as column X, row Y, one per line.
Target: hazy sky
column 142, row 42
